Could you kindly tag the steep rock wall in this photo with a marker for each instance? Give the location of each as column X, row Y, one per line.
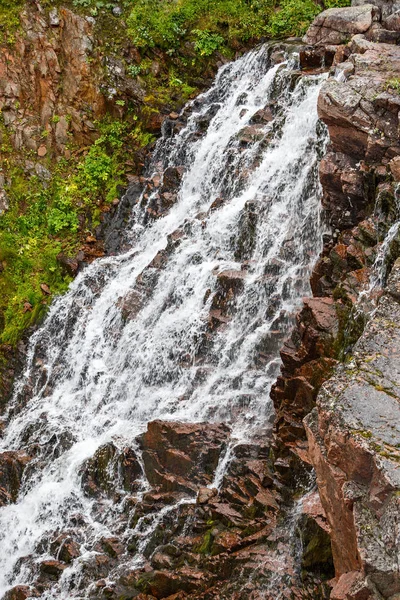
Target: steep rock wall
column 351, row 437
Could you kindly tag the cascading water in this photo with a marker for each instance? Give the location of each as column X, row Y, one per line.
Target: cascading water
column 247, row 211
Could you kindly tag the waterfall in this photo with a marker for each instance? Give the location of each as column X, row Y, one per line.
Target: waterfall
column 247, row 211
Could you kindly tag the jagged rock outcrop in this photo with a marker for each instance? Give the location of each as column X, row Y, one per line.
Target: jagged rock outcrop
column 50, row 82
column 358, row 175
column 354, row 437
column 336, row 25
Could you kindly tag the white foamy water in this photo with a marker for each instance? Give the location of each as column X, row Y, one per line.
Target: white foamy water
column 93, row 377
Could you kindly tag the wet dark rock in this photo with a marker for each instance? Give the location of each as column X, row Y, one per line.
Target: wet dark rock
column 12, row 466
column 19, row 592
column 172, row 178
column 112, row 546
column 51, row 569
column 111, row 470
column 262, row 116
column 64, row 548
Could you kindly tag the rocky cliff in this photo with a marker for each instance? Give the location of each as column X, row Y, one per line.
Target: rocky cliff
column 351, row 438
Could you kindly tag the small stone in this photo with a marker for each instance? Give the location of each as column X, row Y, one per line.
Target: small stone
column 45, row 289
column 42, row 151
column 54, row 19
column 206, row 494
column 43, row 173
column 27, row 307
column 4, row 202
column 117, row 11
column 174, row 116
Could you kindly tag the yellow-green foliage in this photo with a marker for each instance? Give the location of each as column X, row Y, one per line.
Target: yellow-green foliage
column 9, row 20
column 393, row 85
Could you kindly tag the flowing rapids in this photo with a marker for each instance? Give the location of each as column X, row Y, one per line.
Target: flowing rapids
column 93, row 376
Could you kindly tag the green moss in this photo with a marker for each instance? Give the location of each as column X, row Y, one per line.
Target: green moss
column 365, row 434
column 351, row 327
column 205, row 546
column 393, row 85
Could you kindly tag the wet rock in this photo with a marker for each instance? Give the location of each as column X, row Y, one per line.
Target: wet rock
column 70, row 264
column 110, row 470
column 19, row 592
column 336, row 25
column 12, row 466
column 51, row 569
column 251, row 134
column 132, row 303
column 264, row 115
column 180, row 456
column 231, row 281
column 172, row 178
column 112, row 546
column 64, row 548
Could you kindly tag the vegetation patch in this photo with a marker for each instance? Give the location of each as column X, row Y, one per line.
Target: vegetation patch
column 53, row 215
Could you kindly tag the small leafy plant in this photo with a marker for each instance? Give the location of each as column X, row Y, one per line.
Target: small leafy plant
column 207, row 42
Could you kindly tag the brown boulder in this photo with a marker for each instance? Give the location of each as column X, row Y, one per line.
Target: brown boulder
column 19, row 592
column 351, row 586
column 206, row 494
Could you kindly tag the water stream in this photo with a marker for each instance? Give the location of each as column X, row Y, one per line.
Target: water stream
column 93, row 376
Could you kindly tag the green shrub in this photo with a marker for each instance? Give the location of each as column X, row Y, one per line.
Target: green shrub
column 207, row 23
column 206, row 42
column 393, row 85
column 293, row 18
column 337, row 3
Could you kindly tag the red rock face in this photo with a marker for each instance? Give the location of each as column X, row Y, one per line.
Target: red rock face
column 46, row 75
